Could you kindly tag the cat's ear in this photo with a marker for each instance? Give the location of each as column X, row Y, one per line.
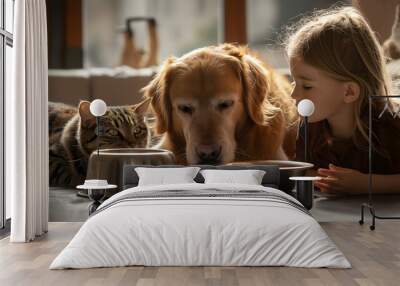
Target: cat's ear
column 87, row 118
column 142, row 107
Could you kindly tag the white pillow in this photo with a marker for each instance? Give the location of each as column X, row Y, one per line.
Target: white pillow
column 248, row 177
column 163, row 176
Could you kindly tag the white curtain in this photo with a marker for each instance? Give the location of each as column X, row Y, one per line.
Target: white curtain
column 27, row 124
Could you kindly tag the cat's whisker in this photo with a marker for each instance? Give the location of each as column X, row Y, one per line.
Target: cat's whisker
column 180, row 154
column 76, row 160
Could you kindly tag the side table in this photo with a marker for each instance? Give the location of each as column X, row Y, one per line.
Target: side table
column 96, row 194
column 305, row 190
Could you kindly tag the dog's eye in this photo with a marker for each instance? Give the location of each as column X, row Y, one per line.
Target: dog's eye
column 225, row 104
column 186, row 109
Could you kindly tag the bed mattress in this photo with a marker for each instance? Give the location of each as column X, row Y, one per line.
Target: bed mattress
column 201, row 225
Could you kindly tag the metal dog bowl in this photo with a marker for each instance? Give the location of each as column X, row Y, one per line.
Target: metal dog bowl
column 108, row 165
column 287, row 169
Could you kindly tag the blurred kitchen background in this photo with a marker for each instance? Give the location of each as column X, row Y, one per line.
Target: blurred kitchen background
column 87, row 34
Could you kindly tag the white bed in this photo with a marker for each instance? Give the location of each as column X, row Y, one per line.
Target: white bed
column 269, row 229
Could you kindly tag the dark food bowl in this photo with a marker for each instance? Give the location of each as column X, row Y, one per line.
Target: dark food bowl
column 287, row 169
column 130, row 151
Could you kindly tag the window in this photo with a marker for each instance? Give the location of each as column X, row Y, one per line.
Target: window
column 267, row 19
column 6, row 44
column 181, row 25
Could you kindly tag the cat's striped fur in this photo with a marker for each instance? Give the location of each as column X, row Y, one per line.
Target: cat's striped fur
column 72, row 137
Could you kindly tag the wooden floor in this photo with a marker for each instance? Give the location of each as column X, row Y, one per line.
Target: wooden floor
column 375, row 257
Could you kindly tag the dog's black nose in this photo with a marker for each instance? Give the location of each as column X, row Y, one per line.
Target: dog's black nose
column 209, row 154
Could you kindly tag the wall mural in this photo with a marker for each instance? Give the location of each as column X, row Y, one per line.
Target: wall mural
column 213, row 105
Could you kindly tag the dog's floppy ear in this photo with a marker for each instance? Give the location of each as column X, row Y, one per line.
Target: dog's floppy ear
column 157, row 92
column 255, row 83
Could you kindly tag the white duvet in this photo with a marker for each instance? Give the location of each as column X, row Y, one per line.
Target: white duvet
column 200, row 231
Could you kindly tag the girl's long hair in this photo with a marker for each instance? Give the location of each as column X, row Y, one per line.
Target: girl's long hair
column 340, row 42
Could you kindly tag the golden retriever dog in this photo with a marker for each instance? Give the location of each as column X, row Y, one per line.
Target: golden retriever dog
column 221, row 104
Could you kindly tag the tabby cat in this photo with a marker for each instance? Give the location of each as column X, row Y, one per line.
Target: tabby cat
column 72, row 137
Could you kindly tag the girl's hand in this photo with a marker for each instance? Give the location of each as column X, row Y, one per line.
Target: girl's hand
column 342, row 180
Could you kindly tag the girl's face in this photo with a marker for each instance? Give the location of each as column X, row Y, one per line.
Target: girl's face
column 314, row 84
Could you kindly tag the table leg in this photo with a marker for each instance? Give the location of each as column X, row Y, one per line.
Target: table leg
column 93, row 207
column 96, row 195
column 304, row 190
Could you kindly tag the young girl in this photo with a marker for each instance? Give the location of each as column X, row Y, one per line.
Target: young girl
column 336, row 62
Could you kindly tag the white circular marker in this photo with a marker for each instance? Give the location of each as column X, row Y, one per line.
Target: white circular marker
column 98, row 107
column 306, row 107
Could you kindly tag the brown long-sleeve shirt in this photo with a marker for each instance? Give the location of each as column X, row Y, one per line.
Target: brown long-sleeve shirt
column 325, row 149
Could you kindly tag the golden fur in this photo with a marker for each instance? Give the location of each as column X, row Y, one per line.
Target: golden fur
column 221, row 104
